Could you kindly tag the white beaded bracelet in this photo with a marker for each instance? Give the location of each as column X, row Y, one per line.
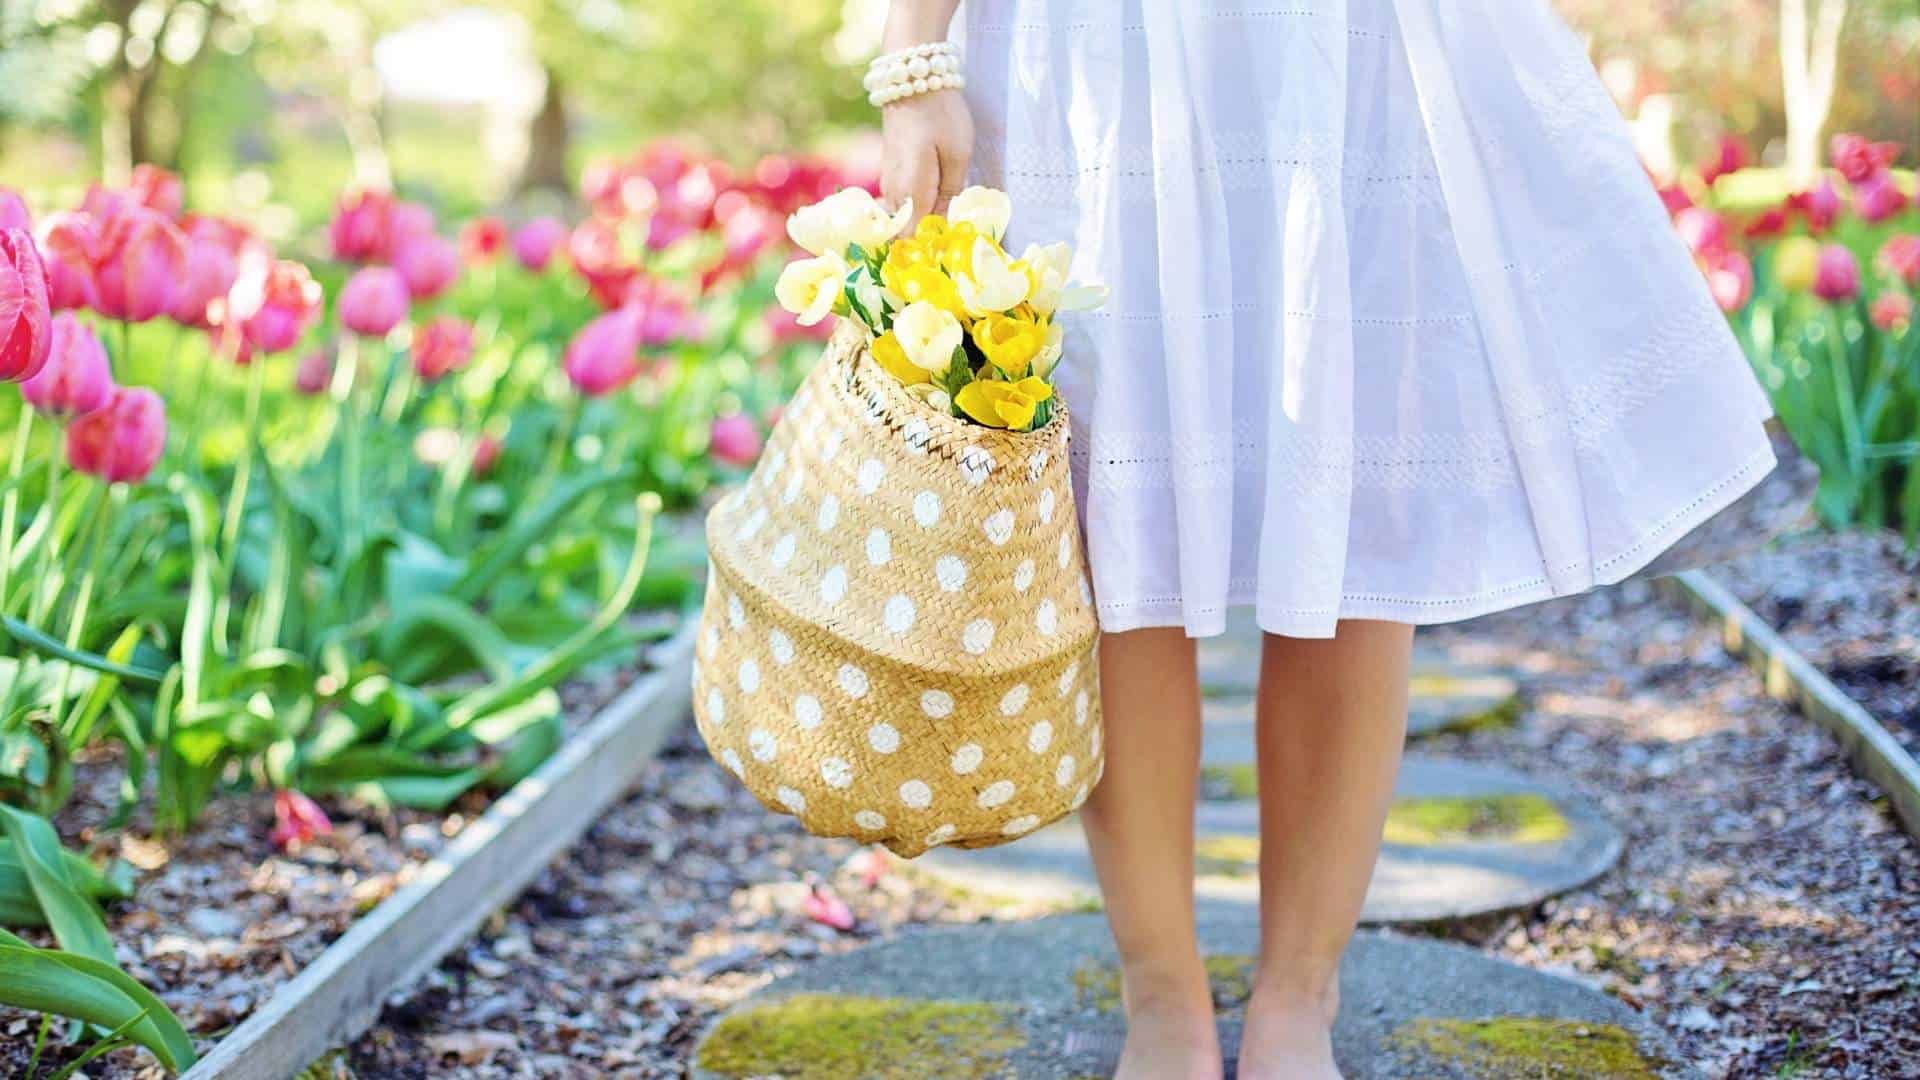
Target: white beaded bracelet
column 907, row 73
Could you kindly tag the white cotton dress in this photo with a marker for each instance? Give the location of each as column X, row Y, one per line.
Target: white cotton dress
column 1398, row 327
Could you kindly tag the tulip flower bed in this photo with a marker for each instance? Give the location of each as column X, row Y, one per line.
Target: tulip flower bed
column 1820, row 288
column 348, row 537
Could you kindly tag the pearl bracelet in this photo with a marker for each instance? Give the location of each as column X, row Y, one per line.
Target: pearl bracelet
column 907, row 73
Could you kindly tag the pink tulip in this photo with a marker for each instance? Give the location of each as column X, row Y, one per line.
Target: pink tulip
column 785, row 329
column 13, row 211
column 1891, row 311
column 1675, row 198
column 823, row 907
column 1703, row 230
column 486, row 454
column 1769, row 222
column 138, row 265
column 77, row 378
column 427, row 263
column 441, row 346
column 360, row 228
column 297, row 820
column 314, row 374
column 1857, row 158
column 1836, row 277
column 1730, row 279
column 1730, row 155
column 25, row 316
column 534, row 242
column 273, row 302
column 482, row 238
column 210, row 272
column 68, row 241
column 1900, row 257
column 157, row 189
column 601, row 357
column 406, row 221
column 1821, row 205
column 1878, row 198
column 734, row 440
column 120, row 441
column 373, row 301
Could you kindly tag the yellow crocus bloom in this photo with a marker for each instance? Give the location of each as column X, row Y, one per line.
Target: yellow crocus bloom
column 956, row 247
column 1010, row 344
column 931, row 230
column 1796, row 261
column 915, row 284
column 892, row 357
column 1001, row 404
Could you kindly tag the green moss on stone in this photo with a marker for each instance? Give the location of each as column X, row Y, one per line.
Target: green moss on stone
column 1227, row 856
column 1097, row 986
column 848, row 1037
column 1500, row 708
column 1512, row 819
column 996, row 902
column 1229, row 783
column 1517, row 1047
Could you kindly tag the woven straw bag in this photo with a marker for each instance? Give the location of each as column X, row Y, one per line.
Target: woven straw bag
column 897, row 644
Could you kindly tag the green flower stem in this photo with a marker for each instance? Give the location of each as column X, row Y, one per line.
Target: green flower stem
column 237, row 501
column 191, row 453
column 9, row 515
column 1842, row 373
column 103, row 513
column 46, row 592
column 352, row 448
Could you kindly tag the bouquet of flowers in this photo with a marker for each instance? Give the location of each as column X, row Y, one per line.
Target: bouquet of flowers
column 964, row 326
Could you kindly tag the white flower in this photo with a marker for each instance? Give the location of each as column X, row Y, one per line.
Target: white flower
column 852, row 216
column 928, row 335
column 986, row 209
column 870, row 295
column 811, row 287
column 997, row 283
column 1052, row 291
column 1048, row 357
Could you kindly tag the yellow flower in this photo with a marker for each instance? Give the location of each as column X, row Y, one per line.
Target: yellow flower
column 1010, row 344
column 1003, row 405
column 914, row 283
column 811, row 287
column 994, row 282
column 928, row 336
column 1796, row 262
column 889, row 354
column 931, row 230
column 956, row 247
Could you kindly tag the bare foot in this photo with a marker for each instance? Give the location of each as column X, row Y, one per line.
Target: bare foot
column 1170, row 1043
column 1287, row 1039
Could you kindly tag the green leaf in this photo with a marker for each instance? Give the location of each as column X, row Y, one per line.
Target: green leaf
column 527, row 528
column 50, row 646
column 453, row 621
column 75, row 922
column 82, row 988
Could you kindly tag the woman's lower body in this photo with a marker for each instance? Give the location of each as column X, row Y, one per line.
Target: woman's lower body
column 1398, row 334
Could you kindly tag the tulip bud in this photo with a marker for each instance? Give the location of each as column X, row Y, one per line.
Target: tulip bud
column 121, row 441
column 373, row 301
column 1836, row 278
column 486, row 454
column 1858, row 158
column 734, row 440
column 68, row 242
column 1821, row 205
column 25, row 316
column 1878, row 198
column 314, row 374
column 297, row 820
column 1900, row 257
column 1730, row 279
column 138, row 265
column 535, row 242
column 427, row 263
column 1703, row 230
column 1795, row 262
column 13, row 211
column 77, row 378
column 273, row 301
column 360, row 229
column 1891, row 311
column 482, row 238
column 600, row 358
column 441, row 346
column 157, row 189
column 210, row 273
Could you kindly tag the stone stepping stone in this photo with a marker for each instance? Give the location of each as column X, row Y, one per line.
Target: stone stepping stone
column 1040, row 1000
column 1445, row 699
column 1464, row 840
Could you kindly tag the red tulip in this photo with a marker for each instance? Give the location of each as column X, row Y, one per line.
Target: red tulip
column 1703, row 230
column 1730, row 155
column 601, row 357
column 594, row 248
column 1900, row 257
column 1891, row 311
column 138, row 265
column 1858, row 158
column 13, row 211
column 274, row 301
column 360, row 227
column 373, row 301
column 534, row 242
column 297, row 820
column 77, row 378
column 486, row 454
column 1878, row 198
column 428, row 263
column 734, row 440
column 25, row 316
column 1836, row 277
column 441, row 346
column 68, row 241
column 1770, row 222
column 120, row 441
column 1675, row 198
column 1730, row 279
column 482, row 238
column 823, row 907
column 210, row 272
column 314, row 373
column 157, row 189
column 1820, row 205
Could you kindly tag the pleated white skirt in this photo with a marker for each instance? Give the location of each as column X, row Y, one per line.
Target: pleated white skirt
column 1399, row 329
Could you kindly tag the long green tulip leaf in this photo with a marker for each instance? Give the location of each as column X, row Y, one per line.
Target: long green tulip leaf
column 51, row 646
column 66, row 981
column 75, row 922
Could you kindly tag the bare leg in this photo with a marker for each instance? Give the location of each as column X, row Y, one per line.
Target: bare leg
column 1139, row 823
column 1331, row 720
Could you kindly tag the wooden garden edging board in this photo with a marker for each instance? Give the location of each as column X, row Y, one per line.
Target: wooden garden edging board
column 1790, row 677
column 492, row 860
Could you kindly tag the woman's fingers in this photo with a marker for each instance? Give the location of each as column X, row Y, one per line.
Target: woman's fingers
column 953, row 174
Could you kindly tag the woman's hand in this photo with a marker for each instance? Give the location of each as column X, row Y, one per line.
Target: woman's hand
column 928, row 143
